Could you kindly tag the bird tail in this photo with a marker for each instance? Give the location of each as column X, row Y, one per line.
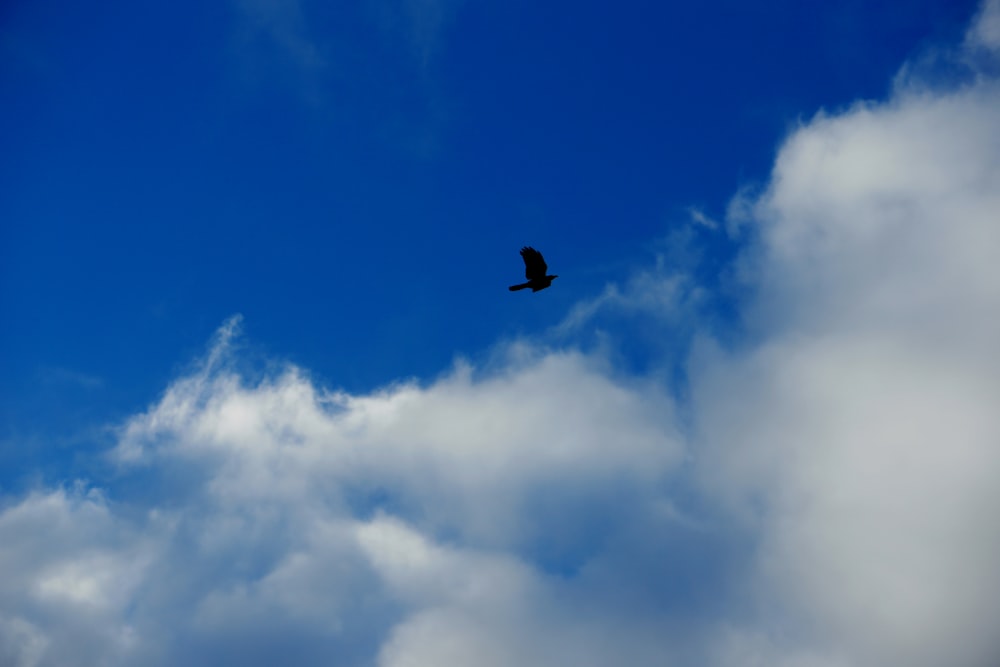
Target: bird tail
column 514, row 288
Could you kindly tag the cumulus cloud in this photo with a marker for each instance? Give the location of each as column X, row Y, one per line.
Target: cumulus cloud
column 466, row 453
column 421, row 523
column 70, row 564
column 824, row 494
column 860, row 433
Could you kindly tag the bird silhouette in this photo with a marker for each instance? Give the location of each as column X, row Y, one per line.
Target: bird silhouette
column 534, row 270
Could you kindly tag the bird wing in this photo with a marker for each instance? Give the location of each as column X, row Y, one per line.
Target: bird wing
column 534, row 265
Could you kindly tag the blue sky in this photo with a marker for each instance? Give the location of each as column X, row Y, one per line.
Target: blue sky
column 357, row 180
column 263, row 390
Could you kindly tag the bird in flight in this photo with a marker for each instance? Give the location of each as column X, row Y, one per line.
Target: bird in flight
column 534, row 270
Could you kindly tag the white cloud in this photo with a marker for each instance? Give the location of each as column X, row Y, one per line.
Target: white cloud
column 826, row 496
column 70, row 564
column 353, row 524
column 465, row 452
column 859, row 436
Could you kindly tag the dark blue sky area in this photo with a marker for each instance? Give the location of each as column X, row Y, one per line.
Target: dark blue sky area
column 356, row 179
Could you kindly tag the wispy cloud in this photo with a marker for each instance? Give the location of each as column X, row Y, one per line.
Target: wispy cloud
column 283, row 24
column 984, row 33
column 421, row 24
column 656, row 292
column 699, row 218
column 272, row 41
column 57, row 375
